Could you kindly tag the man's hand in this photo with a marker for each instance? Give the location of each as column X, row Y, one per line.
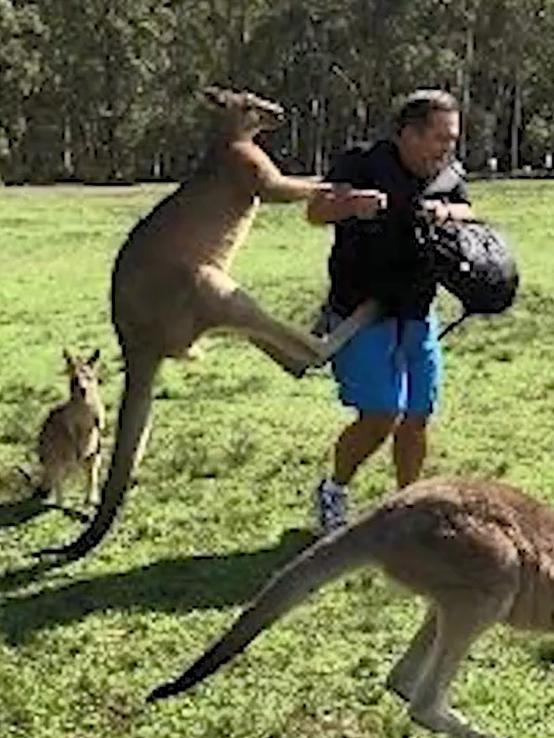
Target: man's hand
column 437, row 211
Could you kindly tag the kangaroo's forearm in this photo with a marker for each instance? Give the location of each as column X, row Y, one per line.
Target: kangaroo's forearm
column 288, row 189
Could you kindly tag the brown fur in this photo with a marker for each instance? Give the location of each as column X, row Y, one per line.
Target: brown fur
column 171, row 283
column 480, row 553
column 69, row 438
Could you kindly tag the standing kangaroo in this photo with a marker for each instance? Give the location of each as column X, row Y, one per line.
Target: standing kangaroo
column 69, row 438
column 170, row 281
column 479, row 553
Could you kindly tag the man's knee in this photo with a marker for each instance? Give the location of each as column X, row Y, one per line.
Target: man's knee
column 378, row 424
column 412, row 425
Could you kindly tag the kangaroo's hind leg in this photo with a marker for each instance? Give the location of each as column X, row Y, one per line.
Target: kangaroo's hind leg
column 225, row 304
column 50, row 482
column 92, row 466
column 405, row 673
column 459, row 623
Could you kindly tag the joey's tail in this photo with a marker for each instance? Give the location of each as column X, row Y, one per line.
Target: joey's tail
column 325, row 560
column 132, row 420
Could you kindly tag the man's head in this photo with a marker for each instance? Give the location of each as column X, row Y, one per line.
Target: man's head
column 427, row 129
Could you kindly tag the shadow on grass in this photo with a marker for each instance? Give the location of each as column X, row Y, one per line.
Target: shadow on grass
column 170, row 585
column 22, row 511
column 18, row 578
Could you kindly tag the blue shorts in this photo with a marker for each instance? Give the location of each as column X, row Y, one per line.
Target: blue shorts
column 392, row 366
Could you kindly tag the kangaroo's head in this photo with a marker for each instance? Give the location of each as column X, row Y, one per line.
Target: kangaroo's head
column 245, row 112
column 83, row 380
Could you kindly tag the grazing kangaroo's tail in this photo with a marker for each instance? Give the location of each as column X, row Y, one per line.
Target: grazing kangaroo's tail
column 325, row 560
column 134, row 410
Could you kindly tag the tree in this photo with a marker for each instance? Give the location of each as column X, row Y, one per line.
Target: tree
column 22, row 73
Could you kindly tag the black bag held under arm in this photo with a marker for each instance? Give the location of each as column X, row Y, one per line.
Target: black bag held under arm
column 471, row 260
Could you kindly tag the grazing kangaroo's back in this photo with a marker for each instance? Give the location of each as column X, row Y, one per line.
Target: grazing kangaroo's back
column 69, row 438
column 170, row 281
column 479, row 553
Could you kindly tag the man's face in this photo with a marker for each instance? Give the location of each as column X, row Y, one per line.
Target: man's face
column 428, row 150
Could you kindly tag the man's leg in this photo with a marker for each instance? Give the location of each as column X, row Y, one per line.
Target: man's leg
column 409, row 448
column 358, row 442
column 366, row 371
column 422, row 354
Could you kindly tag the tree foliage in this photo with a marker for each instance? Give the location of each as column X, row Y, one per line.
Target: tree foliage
column 104, row 91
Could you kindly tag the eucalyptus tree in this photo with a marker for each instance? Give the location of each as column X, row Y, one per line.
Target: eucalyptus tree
column 22, row 73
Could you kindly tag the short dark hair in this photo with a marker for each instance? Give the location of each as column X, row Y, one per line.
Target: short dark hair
column 417, row 108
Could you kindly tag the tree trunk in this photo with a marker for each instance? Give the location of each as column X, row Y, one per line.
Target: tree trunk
column 516, row 123
column 466, row 89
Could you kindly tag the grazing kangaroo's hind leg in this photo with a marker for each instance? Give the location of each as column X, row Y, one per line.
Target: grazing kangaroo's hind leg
column 404, row 676
column 134, row 411
column 458, row 625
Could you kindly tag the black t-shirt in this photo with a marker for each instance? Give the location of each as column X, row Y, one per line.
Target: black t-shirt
column 380, row 257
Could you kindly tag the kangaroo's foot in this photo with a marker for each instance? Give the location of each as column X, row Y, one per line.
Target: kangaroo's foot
column 445, row 720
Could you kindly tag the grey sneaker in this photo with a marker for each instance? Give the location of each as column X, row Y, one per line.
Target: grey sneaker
column 330, row 501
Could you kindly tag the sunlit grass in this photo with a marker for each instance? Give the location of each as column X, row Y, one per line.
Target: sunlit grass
column 224, row 494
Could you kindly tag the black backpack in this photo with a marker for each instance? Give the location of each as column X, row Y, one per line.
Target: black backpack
column 470, row 259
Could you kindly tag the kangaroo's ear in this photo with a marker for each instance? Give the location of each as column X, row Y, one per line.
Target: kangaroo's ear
column 69, row 360
column 93, row 358
column 216, row 95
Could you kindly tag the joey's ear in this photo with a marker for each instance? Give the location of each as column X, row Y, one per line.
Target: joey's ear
column 69, row 360
column 93, row 358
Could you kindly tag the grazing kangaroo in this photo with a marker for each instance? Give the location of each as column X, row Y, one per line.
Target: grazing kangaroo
column 480, row 553
column 69, row 438
column 170, row 281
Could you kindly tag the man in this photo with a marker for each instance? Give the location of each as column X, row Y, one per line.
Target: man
column 390, row 371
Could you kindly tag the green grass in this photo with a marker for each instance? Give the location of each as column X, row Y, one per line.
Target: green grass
column 224, row 495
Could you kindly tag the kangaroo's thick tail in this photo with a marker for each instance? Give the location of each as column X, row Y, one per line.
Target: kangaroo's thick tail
column 132, row 420
column 325, row 560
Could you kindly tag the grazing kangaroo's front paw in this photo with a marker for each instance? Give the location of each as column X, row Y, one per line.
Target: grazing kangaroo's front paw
column 446, row 721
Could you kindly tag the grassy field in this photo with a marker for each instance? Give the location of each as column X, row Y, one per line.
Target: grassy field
column 224, row 495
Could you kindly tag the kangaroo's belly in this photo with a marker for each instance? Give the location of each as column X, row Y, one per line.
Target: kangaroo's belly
column 155, row 282
column 213, row 238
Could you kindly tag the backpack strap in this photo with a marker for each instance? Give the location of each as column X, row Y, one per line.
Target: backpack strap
column 452, row 325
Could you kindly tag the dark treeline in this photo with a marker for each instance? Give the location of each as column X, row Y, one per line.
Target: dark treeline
column 105, row 90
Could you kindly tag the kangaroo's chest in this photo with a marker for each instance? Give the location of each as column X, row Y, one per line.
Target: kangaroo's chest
column 235, row 235
column 205, row 222
column 84, row 428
